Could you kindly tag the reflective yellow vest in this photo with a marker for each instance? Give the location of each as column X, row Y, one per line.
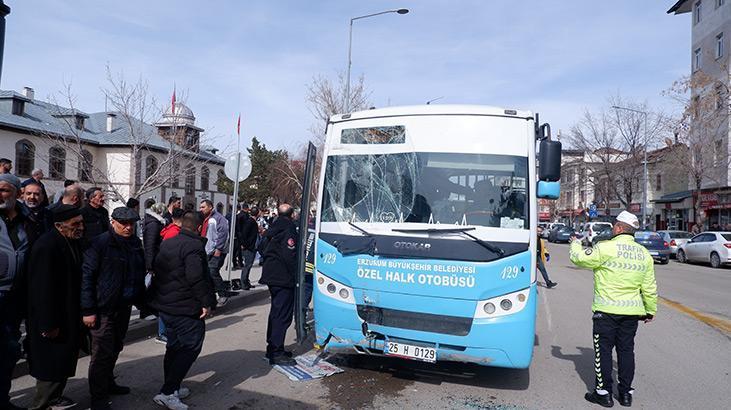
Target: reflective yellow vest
column 624, row 275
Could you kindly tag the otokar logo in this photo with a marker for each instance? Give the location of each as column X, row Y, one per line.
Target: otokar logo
column 414, row 246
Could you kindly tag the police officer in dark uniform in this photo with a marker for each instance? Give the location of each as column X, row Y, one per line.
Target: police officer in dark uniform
column 279, row 273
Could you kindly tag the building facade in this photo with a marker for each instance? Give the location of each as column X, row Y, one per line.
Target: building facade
column 123, row 155
column 709, row 55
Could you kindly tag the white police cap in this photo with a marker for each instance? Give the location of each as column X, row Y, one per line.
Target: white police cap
column 629, row 219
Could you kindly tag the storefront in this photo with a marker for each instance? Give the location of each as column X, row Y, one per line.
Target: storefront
column 674, row 211
column 717, row 208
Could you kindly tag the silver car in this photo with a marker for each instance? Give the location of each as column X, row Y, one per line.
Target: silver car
column 713, row 247
column 675, row 239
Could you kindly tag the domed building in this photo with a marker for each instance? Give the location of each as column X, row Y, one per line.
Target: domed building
column 180, row 127
column 123, row 155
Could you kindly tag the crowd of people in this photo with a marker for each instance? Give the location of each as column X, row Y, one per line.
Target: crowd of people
column 71, row 272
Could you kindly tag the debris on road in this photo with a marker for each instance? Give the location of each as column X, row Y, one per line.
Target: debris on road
column 309, row 366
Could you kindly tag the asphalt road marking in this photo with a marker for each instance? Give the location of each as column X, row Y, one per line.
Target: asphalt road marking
column 714, row 322
column 548, row 310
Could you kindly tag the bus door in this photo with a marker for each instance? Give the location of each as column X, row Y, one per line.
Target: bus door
column 305, row 251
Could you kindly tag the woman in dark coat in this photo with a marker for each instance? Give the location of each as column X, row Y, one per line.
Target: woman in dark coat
column 54, row 308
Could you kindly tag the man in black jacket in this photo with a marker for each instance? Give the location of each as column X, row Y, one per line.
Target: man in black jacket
column 96, row 217
column 279, row 273
column 54, row 317
column 113, row 279
column 182, row 292
column 248, row 233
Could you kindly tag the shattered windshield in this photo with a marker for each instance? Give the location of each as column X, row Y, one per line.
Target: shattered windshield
column 445, row 188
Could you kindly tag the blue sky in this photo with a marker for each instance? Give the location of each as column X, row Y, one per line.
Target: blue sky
column 556, row 57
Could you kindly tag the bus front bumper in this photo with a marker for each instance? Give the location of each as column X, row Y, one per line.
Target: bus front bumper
column 505, row 341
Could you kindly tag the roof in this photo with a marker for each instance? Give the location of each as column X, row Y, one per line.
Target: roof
column 680, row 7
column 43, row 118
column 674, row 197
column 436, row 109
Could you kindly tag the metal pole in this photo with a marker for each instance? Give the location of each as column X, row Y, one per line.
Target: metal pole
column 350, row 46
column 645, row 176
column 232, row 231
column 347, row 84
column 4, row 11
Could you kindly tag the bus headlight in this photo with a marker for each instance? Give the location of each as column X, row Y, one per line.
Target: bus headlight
column 334, row 289
column 509, row 304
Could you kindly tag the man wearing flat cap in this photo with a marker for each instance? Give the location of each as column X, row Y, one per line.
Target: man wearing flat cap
column 16, row 239
column 113, row 279
column 54, row 315
column 625, row 292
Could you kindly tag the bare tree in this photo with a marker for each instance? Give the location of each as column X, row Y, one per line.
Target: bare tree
column 326, row 97
column 615, row 141
column 702, row 126
column 132, row 110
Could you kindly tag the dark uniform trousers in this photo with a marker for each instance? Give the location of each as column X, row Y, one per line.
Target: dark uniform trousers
column 107, row 341
column 280, row 318
column 614, row 331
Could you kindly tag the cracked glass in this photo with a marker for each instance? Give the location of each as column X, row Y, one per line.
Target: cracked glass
column 423, row 187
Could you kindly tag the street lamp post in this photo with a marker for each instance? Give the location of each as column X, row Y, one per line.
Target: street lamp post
column 350, row 46
column 644, row 164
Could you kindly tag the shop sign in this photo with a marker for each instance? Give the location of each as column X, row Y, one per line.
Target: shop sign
column 708, row 200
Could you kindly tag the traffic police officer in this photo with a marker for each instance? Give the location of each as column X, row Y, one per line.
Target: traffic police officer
column 279, row 273
column 624, row 293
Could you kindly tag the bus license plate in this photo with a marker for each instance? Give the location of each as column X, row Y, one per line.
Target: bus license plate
column 427, row 354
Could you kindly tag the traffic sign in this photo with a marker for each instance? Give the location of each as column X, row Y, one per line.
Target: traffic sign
column 244, row 167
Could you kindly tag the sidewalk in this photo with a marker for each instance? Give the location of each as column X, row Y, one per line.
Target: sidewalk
column 140, row 329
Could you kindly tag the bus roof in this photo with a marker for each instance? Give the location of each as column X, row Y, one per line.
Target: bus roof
column 437, row 109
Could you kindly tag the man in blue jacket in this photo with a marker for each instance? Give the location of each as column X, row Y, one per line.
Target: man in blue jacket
column 113, row 279
column 15, row 244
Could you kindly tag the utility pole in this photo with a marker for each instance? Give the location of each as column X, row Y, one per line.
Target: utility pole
column 4, row 11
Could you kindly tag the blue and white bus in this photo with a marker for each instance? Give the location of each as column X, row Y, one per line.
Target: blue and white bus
column 426, row 233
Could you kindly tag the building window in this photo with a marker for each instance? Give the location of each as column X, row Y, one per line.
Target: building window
column 658, row 182
column 697, row 12
column 205, row 177
column 720, row 3
column 582, row 195
column 25, row 158
column 719, row 45
column 57, row 163
column 79, row 122
column 85, row 166
column 697, row 59
column 18, row 107
column 150, row 166
column 190, row 179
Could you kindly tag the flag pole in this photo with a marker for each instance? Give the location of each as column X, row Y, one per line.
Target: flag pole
column 232, row 232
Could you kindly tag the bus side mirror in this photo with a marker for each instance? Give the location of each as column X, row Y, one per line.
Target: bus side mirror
column 549, row 161
column 548, row 190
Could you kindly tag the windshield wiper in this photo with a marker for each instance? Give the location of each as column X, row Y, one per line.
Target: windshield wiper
column 361, row 230
column 487, row 245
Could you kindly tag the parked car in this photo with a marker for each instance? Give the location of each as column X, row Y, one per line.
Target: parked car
column 590, row 230
column 657, row 246
column 675, row 239
column 711, row 247
column 550, row 227
column 561, row 234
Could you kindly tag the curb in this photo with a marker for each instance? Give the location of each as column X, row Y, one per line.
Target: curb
column 145, row 329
